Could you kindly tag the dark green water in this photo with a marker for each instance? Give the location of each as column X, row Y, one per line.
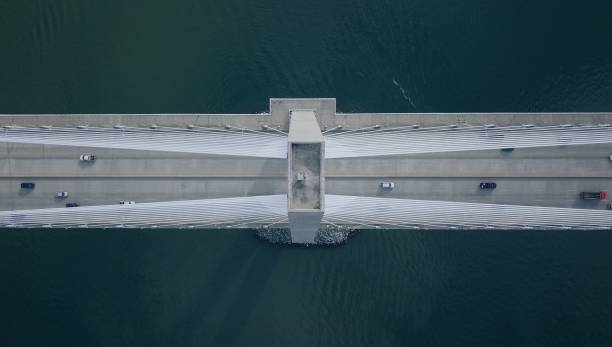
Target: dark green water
column 194, row 288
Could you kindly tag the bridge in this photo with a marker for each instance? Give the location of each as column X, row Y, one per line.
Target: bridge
column 307, row 171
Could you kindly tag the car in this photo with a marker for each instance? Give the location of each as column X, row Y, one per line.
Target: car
column 72, row 204
column 387, row 185
column 488, row 185
column 61, row 195
column 87, row 157
column 27, row 185
column 593, row 195
column 123, row 202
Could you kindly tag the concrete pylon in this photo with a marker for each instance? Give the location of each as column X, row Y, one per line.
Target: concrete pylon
column 306, row 180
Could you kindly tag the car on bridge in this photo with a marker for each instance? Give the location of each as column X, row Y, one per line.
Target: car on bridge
column 387, row 185
column 593, row 195
column 87, row 157
column 27, row 185
column 488, row 185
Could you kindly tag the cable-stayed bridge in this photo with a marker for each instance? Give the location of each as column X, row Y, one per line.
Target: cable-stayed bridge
column 305, row 167
column 345, row 144
column 235, row 142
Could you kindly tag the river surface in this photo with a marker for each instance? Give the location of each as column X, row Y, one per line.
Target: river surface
column 387, row 288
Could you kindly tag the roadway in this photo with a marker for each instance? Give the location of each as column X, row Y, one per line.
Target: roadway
column 545, row 176
column 140, row 176
column 548, row 176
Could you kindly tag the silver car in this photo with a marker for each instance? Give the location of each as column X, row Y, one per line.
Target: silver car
column 87, row 157
column 61, row 195
column 387, row 185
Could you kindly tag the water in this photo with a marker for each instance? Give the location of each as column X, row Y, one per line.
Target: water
column 232, row 55
column 194, row 288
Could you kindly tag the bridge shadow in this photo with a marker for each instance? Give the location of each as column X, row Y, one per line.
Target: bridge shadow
column 272, row 186
column 251, row 288
column 227, row 300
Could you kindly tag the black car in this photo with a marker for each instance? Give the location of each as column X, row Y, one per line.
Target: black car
column 27, row 185
column 488, row 185
column 593, row 195
column 72, row 204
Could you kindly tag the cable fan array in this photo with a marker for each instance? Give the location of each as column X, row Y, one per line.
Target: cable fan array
column 253, row 143
column 407, row 140
column 367, row 212
column 206, row 213
column 353, row 211
column 236, row 142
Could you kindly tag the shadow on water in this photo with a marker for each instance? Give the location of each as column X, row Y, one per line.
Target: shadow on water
column 250, row 289
column 236, row 283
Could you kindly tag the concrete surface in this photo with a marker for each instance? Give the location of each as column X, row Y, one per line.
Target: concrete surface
column 276, row 118
column 306, row 159
column 304, row 225
column 304, row 127
column 325, row 109
column 251, row 121
column 361, row 120
column 546, row 176
column 140, row 176
column 549, row 176
column 539, row 176
column 19, row 160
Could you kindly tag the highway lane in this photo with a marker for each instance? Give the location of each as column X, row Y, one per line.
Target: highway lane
column 554, row 192
column 546, row 176
column 550, row 176
column 25, row 160
column 142, row 176
column 103, row 191
column 571, row 161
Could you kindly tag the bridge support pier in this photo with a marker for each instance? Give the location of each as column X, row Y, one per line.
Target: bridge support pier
column 306, row 180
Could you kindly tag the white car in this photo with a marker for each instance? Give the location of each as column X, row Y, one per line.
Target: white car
column 387, row 185
column 123, row 202
column 87, row 157
column 61, row 195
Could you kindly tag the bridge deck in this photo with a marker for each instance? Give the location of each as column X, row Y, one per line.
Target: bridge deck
column 536, row 176
column 548, row 176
